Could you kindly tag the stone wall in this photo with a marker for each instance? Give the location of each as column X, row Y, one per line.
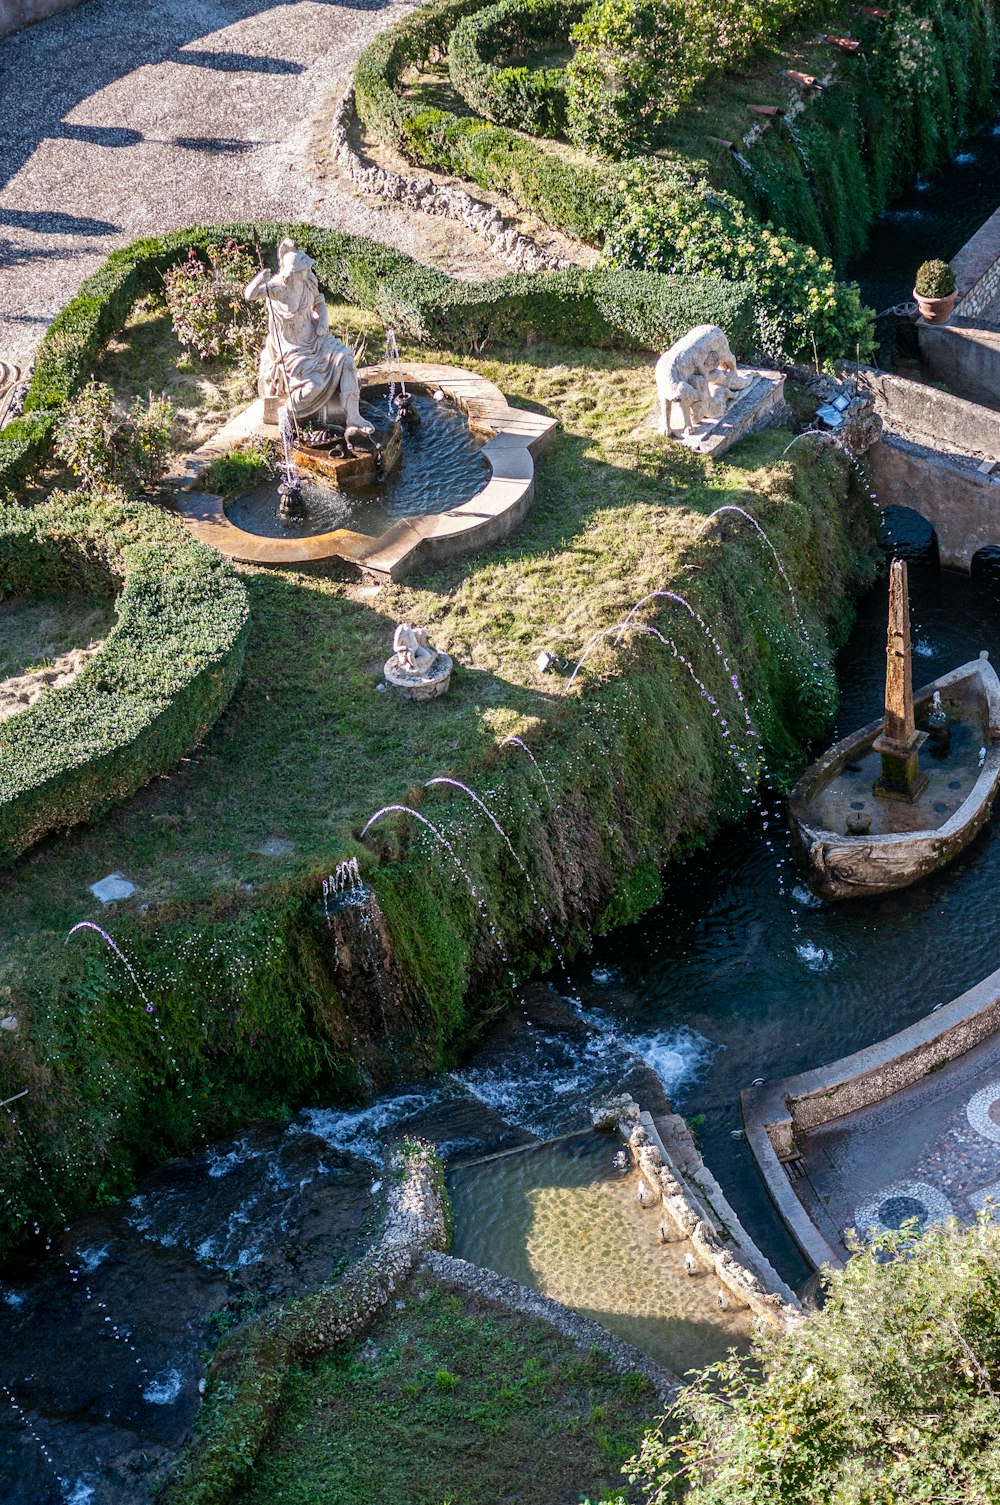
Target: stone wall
column 689, row 1214
column 965, row 357
column 923, row 414
column 509, row 246
column 17, row 13
column 953, row 494
column 977, row 272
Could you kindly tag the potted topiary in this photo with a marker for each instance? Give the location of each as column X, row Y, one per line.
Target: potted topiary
column 934, row 290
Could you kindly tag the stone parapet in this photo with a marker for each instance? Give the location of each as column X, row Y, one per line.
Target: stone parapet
column 15, row 14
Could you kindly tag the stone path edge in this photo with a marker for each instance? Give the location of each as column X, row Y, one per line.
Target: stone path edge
column 772, row 1113
column 518, row 436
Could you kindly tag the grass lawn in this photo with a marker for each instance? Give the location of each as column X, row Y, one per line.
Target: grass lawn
column 452, row 1400
column 308, row 748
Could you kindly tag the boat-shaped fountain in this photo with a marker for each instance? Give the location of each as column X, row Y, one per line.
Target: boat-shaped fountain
column 902, row 796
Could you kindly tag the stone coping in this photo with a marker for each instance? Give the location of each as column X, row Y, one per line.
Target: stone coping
column 845, row 866
column 776, row 1111
column 517, row 437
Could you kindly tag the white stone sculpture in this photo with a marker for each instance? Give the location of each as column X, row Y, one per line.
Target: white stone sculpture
column 307, row 375
column 698, row 374
column 416, row 668
column 412, row 648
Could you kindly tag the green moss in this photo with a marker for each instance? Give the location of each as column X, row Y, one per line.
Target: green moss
column 635, row 892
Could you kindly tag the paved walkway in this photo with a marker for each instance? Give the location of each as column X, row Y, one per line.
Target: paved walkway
column 126, row 117
column 929, row 1150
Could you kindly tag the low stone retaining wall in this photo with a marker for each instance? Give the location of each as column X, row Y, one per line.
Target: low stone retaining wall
column 977, row 272
column 517, row 1298
column 963, row 355
column 14, row 14
column 774, row 1112
column 515, row 250
column 690, row 1218
column 925, row 415
column 960, row 502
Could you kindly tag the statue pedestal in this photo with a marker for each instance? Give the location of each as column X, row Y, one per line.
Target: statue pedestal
column 901, row 777
column 339, row 469
column 419, row 686
column 759, row 406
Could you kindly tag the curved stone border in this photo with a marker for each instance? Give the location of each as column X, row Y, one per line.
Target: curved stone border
column 977, row 1111
column 624, row 1359
column 517, row 437
column 776, row 1111
column 514, row 249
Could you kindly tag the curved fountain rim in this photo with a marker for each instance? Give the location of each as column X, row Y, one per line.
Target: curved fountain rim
column 877, row 1072
column 517, row 436
column 981, row 791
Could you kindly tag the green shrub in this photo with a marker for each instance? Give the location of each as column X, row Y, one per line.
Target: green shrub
column 160, row 680
column 637, row 61
column 934, row 279
column 532, row 100
column 239, row 469
column 887, row 1394
column 605, row 307
column 207, row 307
column 651, row 215
column 105, row 446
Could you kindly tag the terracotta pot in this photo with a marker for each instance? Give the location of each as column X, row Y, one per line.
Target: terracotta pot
column 935, row 310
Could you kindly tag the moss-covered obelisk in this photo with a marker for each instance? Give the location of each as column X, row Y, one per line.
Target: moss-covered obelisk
column 899, row 743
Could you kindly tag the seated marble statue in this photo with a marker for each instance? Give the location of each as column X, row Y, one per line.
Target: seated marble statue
column 414, row 654
column 698, row 374
column 307, row 369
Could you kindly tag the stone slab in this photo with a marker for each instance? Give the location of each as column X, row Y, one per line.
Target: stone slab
column 115, row 886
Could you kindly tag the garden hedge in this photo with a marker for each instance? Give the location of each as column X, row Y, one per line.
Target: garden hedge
column 632, row 309
column 530, row 99
column 653, row 213
column 161, row 678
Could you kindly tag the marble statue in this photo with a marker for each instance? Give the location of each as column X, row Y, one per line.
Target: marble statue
column 414, row 654
column 305, row 370
column 699, row 375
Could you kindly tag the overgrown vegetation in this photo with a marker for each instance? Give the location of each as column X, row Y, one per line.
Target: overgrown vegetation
column 106, row 445
column 887, row 1396
column 261, row 1003
column 451, row 1399
column 205, row 296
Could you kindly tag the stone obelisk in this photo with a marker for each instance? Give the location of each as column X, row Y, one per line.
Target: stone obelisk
column 900, row 743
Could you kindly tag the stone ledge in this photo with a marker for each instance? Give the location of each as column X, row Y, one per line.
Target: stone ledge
column 518, row 436
column 773, row 1113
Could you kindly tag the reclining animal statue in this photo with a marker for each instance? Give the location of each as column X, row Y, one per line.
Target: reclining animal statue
column 699, row 375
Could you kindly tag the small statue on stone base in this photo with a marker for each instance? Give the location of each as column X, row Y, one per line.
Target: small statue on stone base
column 698, row 374
column 414, row 654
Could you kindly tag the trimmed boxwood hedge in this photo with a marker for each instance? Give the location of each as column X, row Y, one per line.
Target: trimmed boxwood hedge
column 651, row 213
column 531, row 99
column 631, row 309
column 163, row 675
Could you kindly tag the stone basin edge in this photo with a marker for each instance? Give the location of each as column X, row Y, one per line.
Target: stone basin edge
column 517, row 437
column 775, row 1111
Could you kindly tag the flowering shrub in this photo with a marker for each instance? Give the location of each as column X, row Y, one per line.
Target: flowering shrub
column 105, row 445
column 207, row 308
column 637, row 61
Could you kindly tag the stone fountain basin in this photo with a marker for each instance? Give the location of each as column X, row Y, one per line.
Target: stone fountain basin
column 516, row 438
column 906, row 841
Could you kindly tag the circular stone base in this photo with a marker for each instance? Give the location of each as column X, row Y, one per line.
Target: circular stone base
column 420, row 686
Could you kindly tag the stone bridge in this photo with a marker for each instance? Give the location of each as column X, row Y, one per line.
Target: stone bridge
column 939, row 455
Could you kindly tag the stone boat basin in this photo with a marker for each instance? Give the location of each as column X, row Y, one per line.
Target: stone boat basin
column 905, row 840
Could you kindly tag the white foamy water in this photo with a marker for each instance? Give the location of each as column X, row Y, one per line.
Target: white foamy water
column 12, row 1298
column 605, row 976
column 362, row 1131
column 91, row 1258
column 923, row 649
column 676, row 1055
column 816, row 958
column 241, row 1152
column 164, row 1388
column 805, row 897
column 78, row 1493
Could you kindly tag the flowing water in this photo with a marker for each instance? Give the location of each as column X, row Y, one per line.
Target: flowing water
column 932, row 220
column 442, row 465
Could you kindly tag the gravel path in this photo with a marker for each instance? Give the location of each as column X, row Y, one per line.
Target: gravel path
column 126, row 117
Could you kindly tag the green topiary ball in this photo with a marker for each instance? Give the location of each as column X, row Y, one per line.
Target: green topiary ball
column 935, row 279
